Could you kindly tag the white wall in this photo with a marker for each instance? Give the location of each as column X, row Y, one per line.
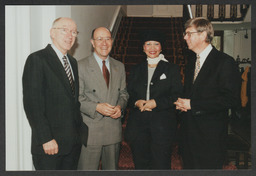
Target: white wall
column 155, row 10
column 28, row 30
column 140, row 10
column 228, row 42
column 88, row 18
column 17, row 48
column 167, row 10
column 242, row 46
column 236, row 44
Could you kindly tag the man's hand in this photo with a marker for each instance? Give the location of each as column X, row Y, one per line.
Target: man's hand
column 105, row 109
column 183, row 104
column 118, row 112
column 51, row 147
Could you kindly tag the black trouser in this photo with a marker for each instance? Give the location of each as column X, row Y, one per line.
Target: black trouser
column 58, row 162
column 152, row 145
column 149, row 155
column 203, row 146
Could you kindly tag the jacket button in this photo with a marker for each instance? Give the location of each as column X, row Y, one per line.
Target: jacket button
column 94, row 90
column 151, row 83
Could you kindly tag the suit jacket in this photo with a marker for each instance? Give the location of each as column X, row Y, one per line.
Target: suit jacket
column 215, row 91
column 51, row 108
column 217, row 86
column 165, row 88
column 93, row 90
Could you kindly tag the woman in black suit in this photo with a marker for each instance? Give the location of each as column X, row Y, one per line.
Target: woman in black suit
column 153, row 86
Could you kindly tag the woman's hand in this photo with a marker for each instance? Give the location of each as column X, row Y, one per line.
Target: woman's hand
column 149, row 105
column 140, row 103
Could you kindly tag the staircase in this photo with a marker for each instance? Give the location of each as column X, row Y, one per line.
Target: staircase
column 128, row 49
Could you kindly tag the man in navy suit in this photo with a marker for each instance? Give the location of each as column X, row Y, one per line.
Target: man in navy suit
column 211, row 87
column 50, row 97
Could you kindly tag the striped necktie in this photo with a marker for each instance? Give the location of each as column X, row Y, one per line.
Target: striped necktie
column 197, row 68
column 69, row 74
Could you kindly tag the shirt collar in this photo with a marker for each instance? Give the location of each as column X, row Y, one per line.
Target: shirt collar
column 206, row 51
column 58, row 52
column 99, row 60
column 203, row 55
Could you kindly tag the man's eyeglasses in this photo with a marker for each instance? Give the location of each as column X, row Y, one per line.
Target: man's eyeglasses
column 101, row 39
column 66, row 30
column 190, row 33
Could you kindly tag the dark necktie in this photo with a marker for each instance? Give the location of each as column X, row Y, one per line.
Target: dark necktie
column 69, row 74
column 197, row 67
column 105, row 72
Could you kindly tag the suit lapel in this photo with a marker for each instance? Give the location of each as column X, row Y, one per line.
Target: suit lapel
column 144, row 74
column 56, row 66
column 158, row 72
column 206, row 68
column 113, row 74
column 142, row 78
column 75, row 72
column 97, row 74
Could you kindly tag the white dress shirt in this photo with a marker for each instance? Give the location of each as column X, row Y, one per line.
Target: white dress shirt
column 203, row 55
column 60, row 56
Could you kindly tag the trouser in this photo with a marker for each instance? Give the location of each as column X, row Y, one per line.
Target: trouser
column 92, row 155
column 149, row 154
column 58, row 162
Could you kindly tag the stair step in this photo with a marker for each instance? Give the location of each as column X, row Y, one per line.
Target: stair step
column 128, row 48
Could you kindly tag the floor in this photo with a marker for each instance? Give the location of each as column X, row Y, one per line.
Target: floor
column 126, row 161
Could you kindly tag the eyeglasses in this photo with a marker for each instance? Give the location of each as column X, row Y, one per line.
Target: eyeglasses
column 66, row 30
column 190, row 33
column 101, row 39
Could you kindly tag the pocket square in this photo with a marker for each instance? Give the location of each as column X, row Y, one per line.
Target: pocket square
column 163, row 76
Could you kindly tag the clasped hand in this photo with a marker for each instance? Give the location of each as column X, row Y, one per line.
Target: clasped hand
column 144, row 105
column 183, row 104
column 109, row 110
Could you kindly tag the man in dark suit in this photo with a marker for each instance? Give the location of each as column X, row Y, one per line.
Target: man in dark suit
column 211, row 88
column 50, row 97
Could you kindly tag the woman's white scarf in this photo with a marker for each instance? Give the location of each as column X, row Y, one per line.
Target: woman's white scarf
column 156, row 60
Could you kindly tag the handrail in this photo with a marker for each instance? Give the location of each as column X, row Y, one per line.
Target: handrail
column 187, row 13
column 119, row 13
column 190, row 11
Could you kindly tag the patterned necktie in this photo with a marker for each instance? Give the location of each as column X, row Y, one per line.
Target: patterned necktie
column 105, row 72
column 197, row 68
column 69, row 74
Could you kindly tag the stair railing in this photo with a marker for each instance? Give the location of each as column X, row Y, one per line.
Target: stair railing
column 119, row 13
column 237, row 12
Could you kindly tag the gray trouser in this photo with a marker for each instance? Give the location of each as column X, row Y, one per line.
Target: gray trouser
column 92, row 154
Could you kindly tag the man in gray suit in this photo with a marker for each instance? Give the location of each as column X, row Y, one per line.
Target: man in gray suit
column 103, row 96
